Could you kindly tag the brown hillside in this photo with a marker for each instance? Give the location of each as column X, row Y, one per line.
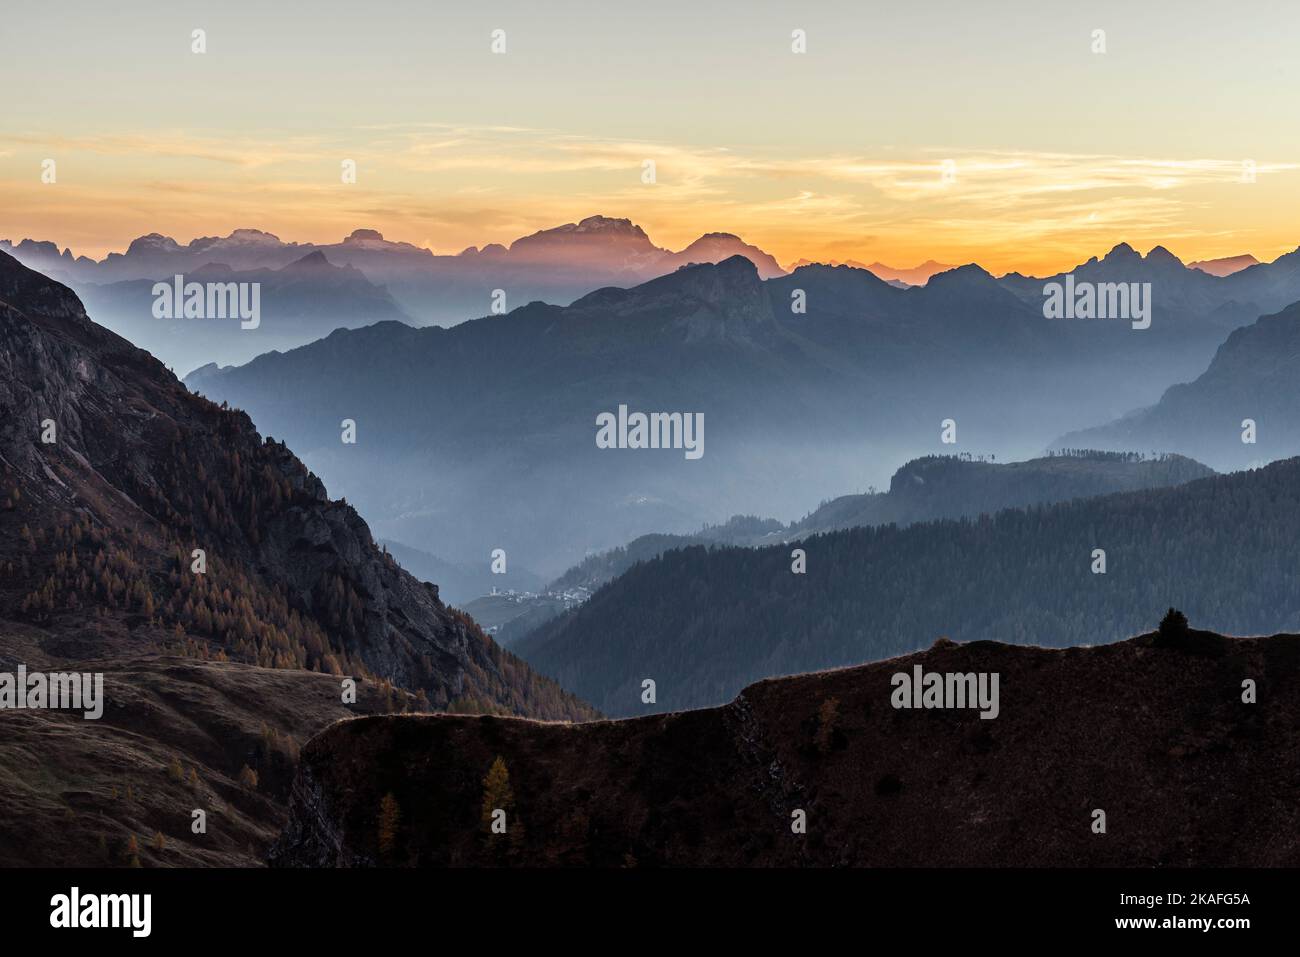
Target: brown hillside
column 1157, row 737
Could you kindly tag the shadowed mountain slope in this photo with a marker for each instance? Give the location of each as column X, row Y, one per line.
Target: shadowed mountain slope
column 1155, row 736
column 156, row 538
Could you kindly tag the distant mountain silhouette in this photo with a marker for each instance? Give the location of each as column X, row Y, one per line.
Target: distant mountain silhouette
column 561, row 264
column 715, row 247
column 1182, row 296
column 1225, row 266
column 554, row 265
column 915, row 276
column 301, row 301
column 1254, row 375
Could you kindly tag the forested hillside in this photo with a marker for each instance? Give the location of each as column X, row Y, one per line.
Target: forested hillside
column 924, row 489
column 703, row 622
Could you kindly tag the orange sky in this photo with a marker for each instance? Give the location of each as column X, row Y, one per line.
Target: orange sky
column 1054, row 152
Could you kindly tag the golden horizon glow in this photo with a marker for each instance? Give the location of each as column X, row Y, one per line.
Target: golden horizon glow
column 1030, row 212
column 1055, row 154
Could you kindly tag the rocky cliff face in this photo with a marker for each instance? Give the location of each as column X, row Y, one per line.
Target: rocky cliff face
column 1153, row 734
column 155, row 538
column 96, row 431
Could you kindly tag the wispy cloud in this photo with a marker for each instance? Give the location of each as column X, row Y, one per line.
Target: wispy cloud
column 468, row 185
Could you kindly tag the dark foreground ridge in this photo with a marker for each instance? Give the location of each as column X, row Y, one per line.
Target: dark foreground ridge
column 1152, row 731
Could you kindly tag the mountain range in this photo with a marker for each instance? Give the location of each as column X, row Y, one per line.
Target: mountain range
column 811, row 382
column 1181, row 294
column 372, row 279
column 383, row 279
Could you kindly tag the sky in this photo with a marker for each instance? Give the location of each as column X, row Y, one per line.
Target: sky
column 961, row 132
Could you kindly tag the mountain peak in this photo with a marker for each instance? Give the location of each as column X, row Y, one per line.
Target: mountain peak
column 313, row 260
column 1122, row 252
column 256, row 235
column 152, row 243
column 606, row 224
column 362, row 235
column 733, row 266
column 1224, row 266
column 732, row 285
column 916, row 276
column 717, row 247
column 611, row 243
column 591, row 226
column 971, row 272
column 1163, row 256
column 24, row 289
column 730, row 289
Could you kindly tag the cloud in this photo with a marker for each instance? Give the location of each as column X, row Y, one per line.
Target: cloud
column 458, row 185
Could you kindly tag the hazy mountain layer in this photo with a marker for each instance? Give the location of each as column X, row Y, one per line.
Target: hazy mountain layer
column 553, row 265
column 922, row 490
column 297, row 303
column 486, row 433
column 459, row 583
column 1254, row 376
column 704, row 622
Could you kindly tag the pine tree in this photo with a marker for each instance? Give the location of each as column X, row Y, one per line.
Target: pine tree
column 827, row 716
column 497, row 795
column 390, row 818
